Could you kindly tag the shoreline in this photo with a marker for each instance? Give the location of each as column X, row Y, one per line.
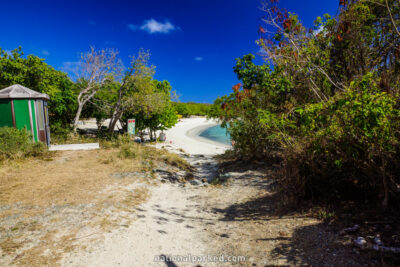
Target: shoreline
column 195, row 134
column 185, row 136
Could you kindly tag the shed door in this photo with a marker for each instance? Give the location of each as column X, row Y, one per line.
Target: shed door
column 22, row 114
column 41, row 121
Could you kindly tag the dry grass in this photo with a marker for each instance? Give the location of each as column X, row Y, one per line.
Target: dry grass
column 9, row 245
column 46, row 205
column 72, row 177
column 64, row 180
column 173, row 159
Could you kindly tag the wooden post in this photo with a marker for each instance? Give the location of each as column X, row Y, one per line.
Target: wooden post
column 13, row 113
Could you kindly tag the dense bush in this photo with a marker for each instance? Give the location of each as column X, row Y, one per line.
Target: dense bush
column 17, row 144
column 329, row 107
column 347, row 147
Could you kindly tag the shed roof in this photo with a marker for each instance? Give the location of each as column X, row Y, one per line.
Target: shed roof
column 19, row 91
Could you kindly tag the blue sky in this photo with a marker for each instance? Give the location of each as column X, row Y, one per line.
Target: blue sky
column 193, row 43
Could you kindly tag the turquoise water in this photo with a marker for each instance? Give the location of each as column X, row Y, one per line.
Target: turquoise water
column 217, row 134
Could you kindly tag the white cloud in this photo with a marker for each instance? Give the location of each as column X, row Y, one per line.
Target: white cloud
column 152, row 26
column 45, row 53
column 198, row 58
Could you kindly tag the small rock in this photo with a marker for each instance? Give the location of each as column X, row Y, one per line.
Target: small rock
column 227, row 175
column 360, row 242
column 204, row 180
column 161, row 169
column 195, row 182
column 181, row 173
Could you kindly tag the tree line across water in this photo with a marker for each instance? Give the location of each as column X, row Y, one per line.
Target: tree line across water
column 99, row 86
column 325, row 104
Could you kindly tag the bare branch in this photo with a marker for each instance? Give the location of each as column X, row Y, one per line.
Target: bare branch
column 391, row 17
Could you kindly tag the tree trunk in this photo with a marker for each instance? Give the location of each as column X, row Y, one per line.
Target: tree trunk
column 141, row 137
column 117, row 111
column 114, row 119
column 78, row 115
column 112, row 124
column 155, row 135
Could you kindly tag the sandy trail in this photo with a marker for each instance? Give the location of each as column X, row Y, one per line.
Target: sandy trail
column 171, row 222
column 240, row 218
column 167, row 224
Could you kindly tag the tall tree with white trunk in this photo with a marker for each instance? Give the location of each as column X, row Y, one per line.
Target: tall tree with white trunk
column 94, row 69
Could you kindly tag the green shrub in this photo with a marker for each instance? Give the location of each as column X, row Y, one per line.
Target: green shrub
column 130, row 151
column 16, row 144
column 127, row 147
column 60, row 133
column 347, row 147
column 250, row 139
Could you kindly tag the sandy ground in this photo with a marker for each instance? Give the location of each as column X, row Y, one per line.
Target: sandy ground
column 169, row 223
column 239, row 218
column 162, row 229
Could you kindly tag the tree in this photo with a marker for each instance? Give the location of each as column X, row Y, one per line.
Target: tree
column 182, row 109
column 191, row 108
column 93, row 70
column 166, row 117
column 162, row 117
column 102, row 104
column 136, row 92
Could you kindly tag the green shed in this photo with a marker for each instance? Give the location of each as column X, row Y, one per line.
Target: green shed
column 22, row 107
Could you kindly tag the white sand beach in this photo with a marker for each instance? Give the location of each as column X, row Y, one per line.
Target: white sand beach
column 185, row 135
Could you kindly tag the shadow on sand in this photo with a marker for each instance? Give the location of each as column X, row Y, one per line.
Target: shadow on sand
column 307, row 244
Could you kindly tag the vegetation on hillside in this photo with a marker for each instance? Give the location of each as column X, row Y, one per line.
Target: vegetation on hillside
column 325, row 103
column 192, row 109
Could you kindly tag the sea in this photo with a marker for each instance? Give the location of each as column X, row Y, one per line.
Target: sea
column 217, row 134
